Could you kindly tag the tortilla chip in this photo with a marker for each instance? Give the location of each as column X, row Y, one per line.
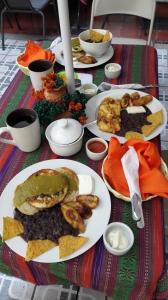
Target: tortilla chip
column 156, row 118
column 69, row 244
column 11, row 228
column 96, row 36
column 106, row 36
column 75, row 42
column 133, row 135
column 38, row 247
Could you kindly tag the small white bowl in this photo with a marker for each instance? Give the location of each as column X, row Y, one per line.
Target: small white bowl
column 126, row 230
column 112, row 70
column 89, row 89
column 95, row 49
column 96, row 155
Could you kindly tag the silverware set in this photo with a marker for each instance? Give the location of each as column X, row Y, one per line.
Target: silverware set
column 104, row 86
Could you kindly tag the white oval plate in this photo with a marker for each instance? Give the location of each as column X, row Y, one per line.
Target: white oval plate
column 79, row 65
column 95, row 226
column 92, row 107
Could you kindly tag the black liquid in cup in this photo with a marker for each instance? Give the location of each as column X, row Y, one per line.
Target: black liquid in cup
column 21, row 118
column 40, row 65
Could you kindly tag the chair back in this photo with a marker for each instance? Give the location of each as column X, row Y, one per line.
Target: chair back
column 140, row 8
column 18, row 4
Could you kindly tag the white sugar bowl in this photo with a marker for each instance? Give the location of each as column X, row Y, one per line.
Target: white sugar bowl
column 65, row 136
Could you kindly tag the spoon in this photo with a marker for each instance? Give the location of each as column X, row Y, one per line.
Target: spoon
column 92, row 122
column 89, row 124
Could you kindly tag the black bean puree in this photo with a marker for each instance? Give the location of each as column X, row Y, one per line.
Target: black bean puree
column 133, row 122
column 46, row 224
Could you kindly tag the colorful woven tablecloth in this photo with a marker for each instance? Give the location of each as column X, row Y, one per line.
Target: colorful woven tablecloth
column 140, row 274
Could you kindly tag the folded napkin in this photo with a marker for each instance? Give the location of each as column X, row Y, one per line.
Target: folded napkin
column 33, row 51
column 130, row 165
column 151, row 179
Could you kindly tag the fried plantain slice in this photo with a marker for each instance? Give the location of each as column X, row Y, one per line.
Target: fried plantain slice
column 87, row 59
column 142, row 100
column 85, row 212
column 72, row 217
column 90, row 201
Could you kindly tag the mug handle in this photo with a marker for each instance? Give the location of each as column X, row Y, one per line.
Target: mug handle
column 6, row 141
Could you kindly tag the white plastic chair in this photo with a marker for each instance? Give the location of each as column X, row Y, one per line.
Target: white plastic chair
column 140, row 8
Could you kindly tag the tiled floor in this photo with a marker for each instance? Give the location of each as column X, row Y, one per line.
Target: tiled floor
column 12, row 288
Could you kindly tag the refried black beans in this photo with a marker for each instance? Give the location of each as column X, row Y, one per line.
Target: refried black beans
column 133, row 122
column 46, row 224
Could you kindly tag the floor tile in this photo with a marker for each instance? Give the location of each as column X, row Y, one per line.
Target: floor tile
column 20, row 289
column 88, row 294
column 4, row 288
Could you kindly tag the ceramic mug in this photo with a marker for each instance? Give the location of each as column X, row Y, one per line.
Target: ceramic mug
column 37, row 70
column 24, row 127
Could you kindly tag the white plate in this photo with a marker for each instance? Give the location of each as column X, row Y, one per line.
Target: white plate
column 79, row 65
column 92, row 107
column 95, row 226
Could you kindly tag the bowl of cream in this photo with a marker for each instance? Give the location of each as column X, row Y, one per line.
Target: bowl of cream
column 89, row 89
column 112, row 70
column 118, row 238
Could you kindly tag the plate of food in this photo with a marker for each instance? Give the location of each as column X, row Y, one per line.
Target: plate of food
column 125, row 114
column 81, row 60
column 54, row 210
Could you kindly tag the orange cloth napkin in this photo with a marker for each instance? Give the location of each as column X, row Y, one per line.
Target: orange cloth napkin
column 33, row 51
column 151, row 179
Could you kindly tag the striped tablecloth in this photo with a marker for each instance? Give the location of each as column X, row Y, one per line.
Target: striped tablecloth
column 140, row 274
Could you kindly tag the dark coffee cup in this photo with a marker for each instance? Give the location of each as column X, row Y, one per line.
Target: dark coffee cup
column 38, row 69
column 24, row 127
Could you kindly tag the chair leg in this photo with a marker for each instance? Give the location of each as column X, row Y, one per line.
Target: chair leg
column 9, row 21
column 56, row 15
column 105, row 20
column 17, row 22
column 2, row 28
column 78, row 17
column 43, row 22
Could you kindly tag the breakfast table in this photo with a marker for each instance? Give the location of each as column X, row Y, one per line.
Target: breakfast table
column 139, row 274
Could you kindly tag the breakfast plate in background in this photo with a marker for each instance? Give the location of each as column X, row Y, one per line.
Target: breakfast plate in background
column 100, row 60
column 95, row 225
column 92, row 110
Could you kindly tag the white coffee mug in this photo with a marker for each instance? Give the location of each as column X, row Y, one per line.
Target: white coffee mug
column 24, row 128
column 38, row 69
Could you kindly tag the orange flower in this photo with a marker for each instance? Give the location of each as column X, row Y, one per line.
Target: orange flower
column 78, row 106
column 38, row 94
column 71, row 105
